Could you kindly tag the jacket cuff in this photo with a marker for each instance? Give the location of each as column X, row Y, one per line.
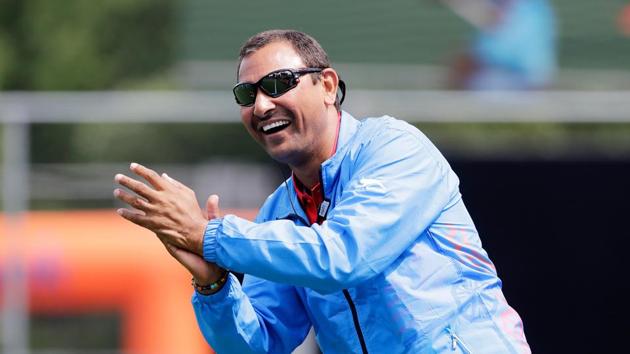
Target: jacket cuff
column 210, row 240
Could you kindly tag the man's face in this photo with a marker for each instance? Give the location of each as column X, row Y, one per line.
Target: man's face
column 300, row 113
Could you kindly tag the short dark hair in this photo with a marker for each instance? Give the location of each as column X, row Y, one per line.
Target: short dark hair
column 307, row 47
column 309, row 50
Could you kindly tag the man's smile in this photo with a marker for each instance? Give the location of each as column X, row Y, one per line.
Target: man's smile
column 270, row 127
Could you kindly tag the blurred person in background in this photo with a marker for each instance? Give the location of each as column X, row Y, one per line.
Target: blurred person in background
column 514, row 47
column 368, row 242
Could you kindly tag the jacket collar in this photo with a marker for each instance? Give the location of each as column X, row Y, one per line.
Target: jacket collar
column 328, row 170
column 349, row 126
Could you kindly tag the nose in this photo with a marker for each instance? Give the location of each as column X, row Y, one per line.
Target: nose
column 263, row 104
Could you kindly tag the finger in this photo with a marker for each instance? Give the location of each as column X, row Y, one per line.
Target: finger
column 135, row 216
column 151, row 176
column 170, row 248
column 133, row 201
column 212, row 207
column 140, row 188
column 173, row 181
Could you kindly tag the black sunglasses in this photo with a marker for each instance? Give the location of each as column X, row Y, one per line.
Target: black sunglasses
column 274, row 84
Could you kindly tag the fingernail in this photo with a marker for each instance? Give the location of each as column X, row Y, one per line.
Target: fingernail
column 118, row 177
column 133, row 165
column 119, row 212
column 116, row 192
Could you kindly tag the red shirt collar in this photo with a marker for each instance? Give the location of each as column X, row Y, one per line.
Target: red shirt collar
column 311, row 199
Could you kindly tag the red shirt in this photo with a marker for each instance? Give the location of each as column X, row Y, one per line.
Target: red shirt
column 311, row 199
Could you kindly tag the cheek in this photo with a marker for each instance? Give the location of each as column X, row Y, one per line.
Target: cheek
column 247, row 120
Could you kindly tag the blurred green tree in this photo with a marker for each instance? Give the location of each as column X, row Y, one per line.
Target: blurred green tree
column 82, row 44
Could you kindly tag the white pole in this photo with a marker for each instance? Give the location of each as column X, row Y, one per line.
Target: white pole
column 15, row 319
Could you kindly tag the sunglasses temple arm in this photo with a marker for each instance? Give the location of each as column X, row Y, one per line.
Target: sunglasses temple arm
column 342, row 87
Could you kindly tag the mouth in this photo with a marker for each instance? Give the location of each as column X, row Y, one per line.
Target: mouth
column 268, row 128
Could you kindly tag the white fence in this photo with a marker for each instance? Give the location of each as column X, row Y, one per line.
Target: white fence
column 413, row 106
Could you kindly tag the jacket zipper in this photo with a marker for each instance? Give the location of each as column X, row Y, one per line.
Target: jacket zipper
column 456, row 342
column 355, row 318
column 353, row 309
column 346, row 294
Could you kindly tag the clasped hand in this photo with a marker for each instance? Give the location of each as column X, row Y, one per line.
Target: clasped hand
column 171, row 210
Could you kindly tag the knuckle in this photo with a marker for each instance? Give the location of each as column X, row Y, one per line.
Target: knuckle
column 148, row 206
column 142, row 188
column 138, row 203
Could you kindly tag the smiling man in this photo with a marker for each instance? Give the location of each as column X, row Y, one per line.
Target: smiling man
column 368, row 242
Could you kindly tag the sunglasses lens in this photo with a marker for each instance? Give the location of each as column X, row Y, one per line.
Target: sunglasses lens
column 273, row 85
column 278, row 83
column 245, row 94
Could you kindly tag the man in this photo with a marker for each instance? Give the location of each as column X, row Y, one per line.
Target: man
column 369, row 241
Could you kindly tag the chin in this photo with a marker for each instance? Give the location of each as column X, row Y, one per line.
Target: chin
column 282, row 155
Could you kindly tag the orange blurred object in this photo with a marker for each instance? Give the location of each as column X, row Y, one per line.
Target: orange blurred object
column 95, row 261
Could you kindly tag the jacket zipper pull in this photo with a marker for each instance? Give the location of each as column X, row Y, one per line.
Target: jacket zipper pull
column 456, row 342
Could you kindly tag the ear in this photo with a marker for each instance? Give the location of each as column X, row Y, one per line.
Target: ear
column 330, row 83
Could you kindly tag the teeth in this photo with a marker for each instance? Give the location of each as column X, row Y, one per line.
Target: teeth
column 274, row 125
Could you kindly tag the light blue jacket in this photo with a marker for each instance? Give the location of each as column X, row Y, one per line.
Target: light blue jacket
column 397, row 267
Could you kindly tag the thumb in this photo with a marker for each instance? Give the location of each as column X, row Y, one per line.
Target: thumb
column 212, row 207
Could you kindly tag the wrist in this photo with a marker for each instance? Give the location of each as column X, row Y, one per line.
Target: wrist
column 212, row 287
column 200, row 232
column 211, row 273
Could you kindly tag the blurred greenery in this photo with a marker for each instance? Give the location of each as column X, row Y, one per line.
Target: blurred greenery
column 400, row 31
column 589, row 37
column 113, row 44
column 84, row 45
column 135, row 44
column 375, row 31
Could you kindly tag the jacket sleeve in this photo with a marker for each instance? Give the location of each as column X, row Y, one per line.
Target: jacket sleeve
column 259, row 317
column 398, row 185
